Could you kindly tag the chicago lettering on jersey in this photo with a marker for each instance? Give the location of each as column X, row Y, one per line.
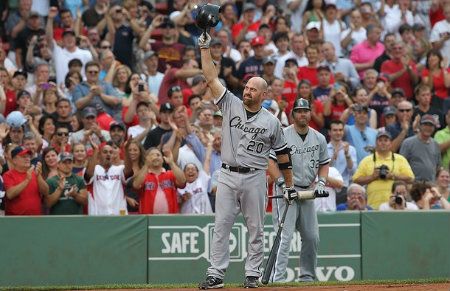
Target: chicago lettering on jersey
column 299, row 150
column 236, row 123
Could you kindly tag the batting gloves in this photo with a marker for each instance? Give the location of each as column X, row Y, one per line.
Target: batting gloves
column 289, row 194
column 204, row 40
column 319, row 190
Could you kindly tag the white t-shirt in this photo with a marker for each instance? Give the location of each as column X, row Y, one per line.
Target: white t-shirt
column 186, row 155
column 135, row 130
column 41, row 7
column 9, row 66
column 440, row 28
column 302, row 61
column 154, row 82
column 358, row 36
column 332, row 33
column 199, row 202
column 329, row 203
column 393, row 18
column 297, row 16
column 271, row 47
column 234, row 54
column 161, row 206
column 62, row 57
column 409, row 206
column 107, row 196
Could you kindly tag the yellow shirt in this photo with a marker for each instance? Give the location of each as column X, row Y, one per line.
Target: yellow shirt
column 378, row 191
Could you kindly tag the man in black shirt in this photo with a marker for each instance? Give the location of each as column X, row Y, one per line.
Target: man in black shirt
column 154, row 136
column 389, row 41
column 24, row 37
column 226, row 66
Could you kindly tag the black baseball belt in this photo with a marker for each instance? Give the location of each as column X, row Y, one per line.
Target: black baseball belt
column 242, row 170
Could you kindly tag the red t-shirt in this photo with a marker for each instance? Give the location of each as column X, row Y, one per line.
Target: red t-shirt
column 67, row 148
column 133, row 122
column 104, row 120
column 290, row 93
column 28, row 202
column 436, row 16
column 404, row 81
column 186, row 94
column 168, row 81
column 318, row 108
column 337, row 110
column 11, row 104
column 236, row 28
column 309, row 74
column 171, row 55
column 438, row 83
column 166, row 181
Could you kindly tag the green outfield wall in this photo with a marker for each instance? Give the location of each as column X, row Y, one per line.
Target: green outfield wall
column 44, row 251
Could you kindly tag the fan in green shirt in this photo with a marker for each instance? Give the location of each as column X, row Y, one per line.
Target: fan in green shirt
column 67, row 191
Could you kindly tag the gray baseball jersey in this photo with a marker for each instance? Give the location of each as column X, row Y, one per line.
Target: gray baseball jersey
column 306, row 155
column 247, row 142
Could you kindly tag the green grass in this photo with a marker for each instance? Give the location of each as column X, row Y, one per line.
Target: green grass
column 180, row 286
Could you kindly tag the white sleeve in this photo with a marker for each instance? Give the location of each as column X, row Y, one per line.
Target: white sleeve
column 434, row 36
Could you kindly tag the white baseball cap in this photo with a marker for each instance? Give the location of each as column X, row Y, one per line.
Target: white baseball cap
column 313, row 24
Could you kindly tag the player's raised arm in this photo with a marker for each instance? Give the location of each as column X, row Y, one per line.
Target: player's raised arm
column 209, row 69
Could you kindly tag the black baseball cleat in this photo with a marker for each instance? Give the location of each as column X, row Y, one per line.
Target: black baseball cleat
column 251, row 282
column 211, row 283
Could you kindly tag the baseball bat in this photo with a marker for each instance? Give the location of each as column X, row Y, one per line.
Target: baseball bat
column 273, row 252
column 303, row 195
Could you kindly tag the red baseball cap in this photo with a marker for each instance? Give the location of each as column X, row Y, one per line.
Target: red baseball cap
column 20, row 151
column 259, row 40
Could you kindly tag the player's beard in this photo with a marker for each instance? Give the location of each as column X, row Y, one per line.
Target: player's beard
column 248, row 101
column 302, row 123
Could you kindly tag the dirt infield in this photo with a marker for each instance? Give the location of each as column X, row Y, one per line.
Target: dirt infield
column 385, row 287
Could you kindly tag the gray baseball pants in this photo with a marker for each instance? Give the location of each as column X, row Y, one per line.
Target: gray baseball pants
column 301, row 216
column 246, row 193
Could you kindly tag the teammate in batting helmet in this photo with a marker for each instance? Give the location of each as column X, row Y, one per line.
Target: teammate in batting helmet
column 301, row 104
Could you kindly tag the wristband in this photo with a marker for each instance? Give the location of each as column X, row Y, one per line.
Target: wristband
column 322, row 180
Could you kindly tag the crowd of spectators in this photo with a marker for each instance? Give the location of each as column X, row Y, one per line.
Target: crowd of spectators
column 105, row 111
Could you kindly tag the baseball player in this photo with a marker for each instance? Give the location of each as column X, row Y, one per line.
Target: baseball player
column 310, row 159
column 249, row 133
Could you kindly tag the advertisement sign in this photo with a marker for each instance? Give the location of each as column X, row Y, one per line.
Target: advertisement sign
column 182, row 244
